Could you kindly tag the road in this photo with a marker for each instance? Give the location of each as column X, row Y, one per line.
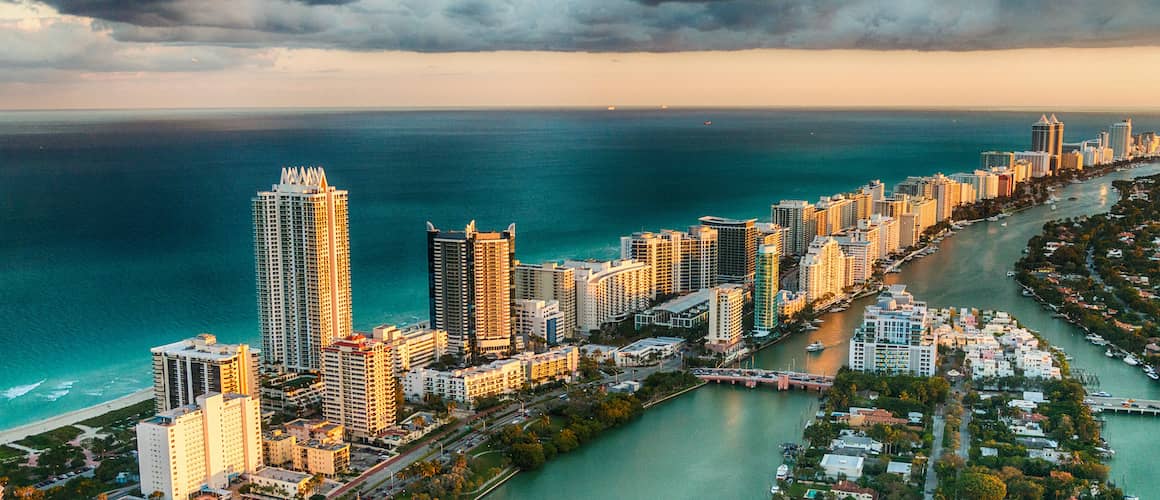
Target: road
column 936, row 452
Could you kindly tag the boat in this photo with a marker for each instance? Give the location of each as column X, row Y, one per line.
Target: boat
column 993, row 218
column 1004, row 224
column 1153, row 375
column 1053, row 206
column 1027, row 293
column 1131, row 360
column 1072, row 198
column 1102, row 394
column 816, row 346
column 782, row 472
column 612, row 108
column 775, row 489
column 1010, row 274
column 1069, row 357
column 1109, row 353
column 708, row 122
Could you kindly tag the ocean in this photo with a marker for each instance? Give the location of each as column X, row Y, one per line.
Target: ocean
column 122, row 230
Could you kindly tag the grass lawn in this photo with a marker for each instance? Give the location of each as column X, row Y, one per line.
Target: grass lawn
column 481, row 467
column 8, row 452
column 51, row 439
column 131, row 414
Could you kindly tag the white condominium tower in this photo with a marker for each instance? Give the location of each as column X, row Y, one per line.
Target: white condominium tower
column 360, row 385
column 302, row 260
column 765, row 288
column 895, row 336
column 470, row 289
column 183, row 450
column 184, row 370
column 726, row 303
column 825, row 271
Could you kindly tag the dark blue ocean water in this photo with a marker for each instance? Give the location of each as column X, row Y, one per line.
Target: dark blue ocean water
column 124, row 230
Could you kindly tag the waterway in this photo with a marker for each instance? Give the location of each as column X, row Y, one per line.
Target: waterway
column 722, row 441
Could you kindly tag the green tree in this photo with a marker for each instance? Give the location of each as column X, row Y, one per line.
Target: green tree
column 981, row 486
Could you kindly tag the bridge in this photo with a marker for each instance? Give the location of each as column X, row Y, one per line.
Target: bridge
column 1123, row 405
column 780, row 380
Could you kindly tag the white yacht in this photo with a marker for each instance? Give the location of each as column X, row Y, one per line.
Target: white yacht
column 1131, row 360
column 816, row 346
column 1010, row 274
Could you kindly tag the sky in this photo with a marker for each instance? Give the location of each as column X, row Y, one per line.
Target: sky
column 1063, row 54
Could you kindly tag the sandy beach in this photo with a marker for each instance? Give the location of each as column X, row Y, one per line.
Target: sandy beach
column 72, row 417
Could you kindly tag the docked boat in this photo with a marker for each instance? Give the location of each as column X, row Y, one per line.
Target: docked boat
column 1109, row 353
column 993, row 218
column 782, row 472
column 1010, row 274
column 1131, row 360
column 1027, row 293
column 1153, row 375
column 775, row 489
column 816, row 346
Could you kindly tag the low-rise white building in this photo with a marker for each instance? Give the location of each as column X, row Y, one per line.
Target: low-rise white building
column 842, row 466
column 648, row 351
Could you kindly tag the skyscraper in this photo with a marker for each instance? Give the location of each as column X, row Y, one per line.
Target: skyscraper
column 992, row 159
column 1121, row 139
column 1043, row 134
column 302, row 262
column 765, row 288
column 184, row 370
column 735, row 248
column 360, row 385
column 797, row 217
column 470, row 289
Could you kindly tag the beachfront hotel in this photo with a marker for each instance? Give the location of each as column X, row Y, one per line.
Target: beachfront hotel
column 206, row 445
column 470, row 289
column 608, row 291
column 360, row 386
column 302, row 263
column 895, row 336
column 468, row 385
column 184, row 370
column 550, row 282
column 765, row 288
column 735, row 249
column 680, row 261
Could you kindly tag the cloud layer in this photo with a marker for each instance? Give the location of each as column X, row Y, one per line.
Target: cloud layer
column 627, row 25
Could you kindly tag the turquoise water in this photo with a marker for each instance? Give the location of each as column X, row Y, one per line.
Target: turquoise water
column 124, row 230
column 678, row 441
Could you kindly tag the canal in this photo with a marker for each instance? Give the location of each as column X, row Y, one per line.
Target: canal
column 722, row 441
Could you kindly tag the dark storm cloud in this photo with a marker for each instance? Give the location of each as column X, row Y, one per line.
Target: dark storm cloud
column 628, row 25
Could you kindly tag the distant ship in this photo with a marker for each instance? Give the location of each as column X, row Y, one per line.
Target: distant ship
column 816, row 346
column 708, row 122
column 612, row 108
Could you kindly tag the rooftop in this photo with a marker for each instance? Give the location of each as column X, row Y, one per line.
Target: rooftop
column 284, row 475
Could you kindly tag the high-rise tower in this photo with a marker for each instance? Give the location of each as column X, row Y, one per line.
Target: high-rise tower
column 471, row 290
column 302, row 262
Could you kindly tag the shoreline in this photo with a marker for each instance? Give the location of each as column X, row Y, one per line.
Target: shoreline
column 73, row 417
